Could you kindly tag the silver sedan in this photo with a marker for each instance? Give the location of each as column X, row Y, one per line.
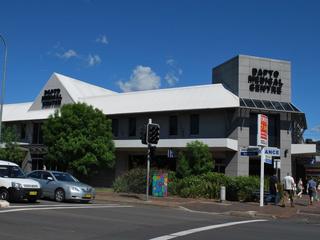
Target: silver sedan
column 62, row 186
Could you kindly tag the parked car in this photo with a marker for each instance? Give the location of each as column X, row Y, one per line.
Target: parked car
column 15, row 186
column 61, row 186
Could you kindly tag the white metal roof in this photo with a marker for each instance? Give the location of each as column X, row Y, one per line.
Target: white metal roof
column 20, row 111
column 211, row 96
column 78, row 89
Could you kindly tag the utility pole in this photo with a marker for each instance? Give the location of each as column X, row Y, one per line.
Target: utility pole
column 3, row 83
column 148, row 162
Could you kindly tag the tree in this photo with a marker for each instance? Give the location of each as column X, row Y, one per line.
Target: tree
column 195, row 160
column 11, row 151
column 79, row 138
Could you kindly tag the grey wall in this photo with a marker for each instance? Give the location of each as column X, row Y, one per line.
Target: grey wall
column 234, row 75
column 212, row 124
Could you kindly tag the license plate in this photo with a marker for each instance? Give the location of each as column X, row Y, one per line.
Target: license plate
column 33, row 193
column 87, row 195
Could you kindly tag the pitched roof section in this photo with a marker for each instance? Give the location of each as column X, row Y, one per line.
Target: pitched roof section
column 20, row 111
column 78, row 89
column 211, row 96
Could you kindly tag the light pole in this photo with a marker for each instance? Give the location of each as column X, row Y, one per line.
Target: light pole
column 3, row 83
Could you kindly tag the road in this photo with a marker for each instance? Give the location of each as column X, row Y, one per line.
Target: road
column 49, row 220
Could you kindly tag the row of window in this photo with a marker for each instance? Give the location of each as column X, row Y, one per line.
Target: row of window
column 173, row 126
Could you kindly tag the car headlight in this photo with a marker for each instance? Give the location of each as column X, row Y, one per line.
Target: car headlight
column 16, row 185
column 74, row 189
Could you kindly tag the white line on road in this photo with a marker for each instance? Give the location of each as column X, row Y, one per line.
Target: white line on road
column 58, row 208
column 61, row 205
column 195, row 230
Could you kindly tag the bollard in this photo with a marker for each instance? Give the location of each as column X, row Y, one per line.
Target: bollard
column 222, row 193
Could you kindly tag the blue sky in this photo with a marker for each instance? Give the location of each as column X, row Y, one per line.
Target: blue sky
column 119, row 44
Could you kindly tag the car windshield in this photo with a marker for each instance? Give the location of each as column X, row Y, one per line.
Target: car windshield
column 64, row 177
column 11, row 172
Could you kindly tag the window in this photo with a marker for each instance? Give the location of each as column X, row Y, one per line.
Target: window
column 23, row 131
column 45, row 175
column 194, row 124
column 37, row 133
column 132, row 127
column 36, row 174
column 115, row 127
column 173, row 125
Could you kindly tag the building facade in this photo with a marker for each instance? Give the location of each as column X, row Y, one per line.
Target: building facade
column 223, row 115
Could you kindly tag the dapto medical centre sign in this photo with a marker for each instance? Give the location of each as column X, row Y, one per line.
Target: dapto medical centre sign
column 265, row 81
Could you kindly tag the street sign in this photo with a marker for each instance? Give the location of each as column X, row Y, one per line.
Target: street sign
column 250, row 151
column 272, row 151
column 276, row 164
column 268, row 159
column 262, row 137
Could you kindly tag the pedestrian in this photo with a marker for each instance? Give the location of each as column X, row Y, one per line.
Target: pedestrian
column 300, row 188
column 273, row 189
column 311, row 190
column 289, row 188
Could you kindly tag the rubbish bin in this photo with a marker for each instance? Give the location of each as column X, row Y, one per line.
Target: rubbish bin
column 160, row 184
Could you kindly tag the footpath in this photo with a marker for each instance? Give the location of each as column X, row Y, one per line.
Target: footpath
column 301, row 211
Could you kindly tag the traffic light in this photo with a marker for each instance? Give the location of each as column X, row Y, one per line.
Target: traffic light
column 143, row 134
column 153, row 133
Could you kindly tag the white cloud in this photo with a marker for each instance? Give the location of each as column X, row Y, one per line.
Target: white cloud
column 67, row 54
column 316, row 129
column 174, row 73
column 93, row 60
column 102, row 39
column 142, row 78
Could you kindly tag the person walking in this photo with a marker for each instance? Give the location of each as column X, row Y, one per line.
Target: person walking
column 311, row 190
column 273, row 189
column 289, row 188
column 300, row 188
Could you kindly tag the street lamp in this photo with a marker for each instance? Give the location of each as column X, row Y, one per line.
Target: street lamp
column 3, row 83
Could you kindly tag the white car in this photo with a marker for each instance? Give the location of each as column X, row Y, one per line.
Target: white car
column 15, row 186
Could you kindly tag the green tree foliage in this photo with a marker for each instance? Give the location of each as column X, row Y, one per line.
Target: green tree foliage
column 79, row 138
column 11, row 151
column 195, row 160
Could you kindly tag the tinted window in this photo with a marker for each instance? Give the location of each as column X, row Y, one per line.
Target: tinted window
column 173, row 125
column 11, row 172
column 45, row 175
column 132, row 127
column 64, row 177
column 35, row 174
column 115, row 127
column 194, row 124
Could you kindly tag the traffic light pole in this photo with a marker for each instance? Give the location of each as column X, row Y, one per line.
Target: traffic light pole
column 148, row 166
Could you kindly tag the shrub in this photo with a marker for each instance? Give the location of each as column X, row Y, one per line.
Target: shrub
column 133, row 181
column 208, row 186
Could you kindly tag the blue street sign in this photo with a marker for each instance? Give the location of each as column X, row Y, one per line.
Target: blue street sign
column 272, row 151
column 268, row 159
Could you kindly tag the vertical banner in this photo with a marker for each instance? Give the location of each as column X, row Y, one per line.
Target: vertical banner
column 262, row 138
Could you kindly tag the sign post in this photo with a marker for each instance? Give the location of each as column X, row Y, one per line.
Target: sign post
column 148, row 165
column 262, row 140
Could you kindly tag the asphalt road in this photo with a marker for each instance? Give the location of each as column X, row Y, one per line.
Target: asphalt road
column 49, row 220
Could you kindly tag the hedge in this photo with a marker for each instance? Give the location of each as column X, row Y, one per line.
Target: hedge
column 205, row 186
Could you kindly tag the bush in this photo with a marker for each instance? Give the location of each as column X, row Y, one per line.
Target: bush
column 208, row 186
column 133, row 181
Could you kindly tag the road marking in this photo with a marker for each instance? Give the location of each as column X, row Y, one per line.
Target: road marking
column 60, row 205
column 201, row 229
column 59, row 208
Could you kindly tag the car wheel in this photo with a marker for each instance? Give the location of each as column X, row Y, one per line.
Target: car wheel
column 4, row 194
column 59, row 195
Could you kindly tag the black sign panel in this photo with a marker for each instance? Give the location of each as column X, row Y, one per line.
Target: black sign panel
column 266, row 81
column 51, row 98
